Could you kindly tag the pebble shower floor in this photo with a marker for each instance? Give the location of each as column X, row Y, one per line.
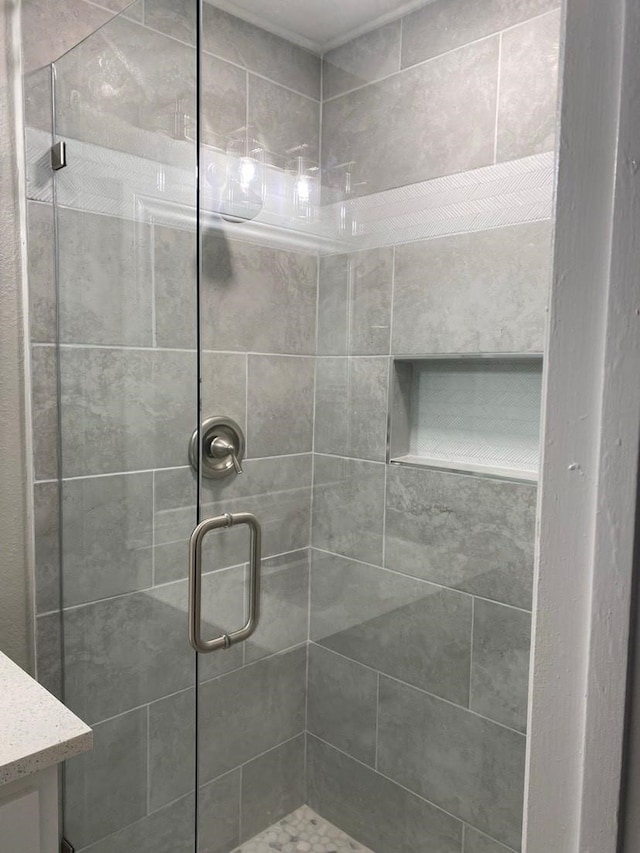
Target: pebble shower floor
column 303, row 831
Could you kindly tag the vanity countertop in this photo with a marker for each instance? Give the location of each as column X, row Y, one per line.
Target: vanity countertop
column 36, row 730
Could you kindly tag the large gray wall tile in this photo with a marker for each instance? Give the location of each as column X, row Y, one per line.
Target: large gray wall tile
column 374, row 810
column 279, row 405
column 125, row 651
column 224, row 100
column 258, row 50
column 49, row 652
column 370, row 284
column 478, row 842
column 273, row 786
column 284, row 607
column 37, row 101
column 152, row 74
column 333, row 304
column 44, row 418
column 283, row 119
column 106, row 789
column 362, row 60
column 107, row 526
column 175, row 18
column 41, row 270
column 438, row 27
column 464, row 532
column 500, row 671
column 105, row 273
column 223, row 386
column 50, row 29
column 409, row 629
column 224, row 593
column 342, row 703
column 257, row 299
column 126, row 409
column 256, row 708
column 172, row 748
column 351, row 407
column 450, row 102
column 277, row 490
column 174, row 287
column 332, row 410
column 527, row 108
column 219, row 814
column 469, row 766
column 348, row 506
column 480, row 292
column 169, row 830
column 47, row 544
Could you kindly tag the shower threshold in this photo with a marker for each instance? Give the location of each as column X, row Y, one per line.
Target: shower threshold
column 303, row 831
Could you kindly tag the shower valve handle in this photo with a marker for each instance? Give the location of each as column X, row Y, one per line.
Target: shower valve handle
column 221, row 447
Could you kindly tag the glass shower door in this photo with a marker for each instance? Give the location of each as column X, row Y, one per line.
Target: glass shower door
column 239, row 349
column 127, row 382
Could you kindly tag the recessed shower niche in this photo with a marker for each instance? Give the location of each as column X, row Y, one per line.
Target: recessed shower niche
column 477, row 414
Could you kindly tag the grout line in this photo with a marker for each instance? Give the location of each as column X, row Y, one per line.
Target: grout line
column 401, row 42
column 467, row 826
column 419, row 579
column 247, row 95
column 240, row 786
column 350, row 458
column 270, row 557
column 388, row 778
column 473, row 624
column 375, row 759
column 153, row 528
column 155, row 349
column 419, row 689
column 246, row 406
column 408, row 790
column 152, row 252
column 99, row 843
column 148, row 765
column 199, row 686
column 352, row 357
column 185, row 468
column 173, row 582
column 313, row 470
column 258, row 755
column 251, row 72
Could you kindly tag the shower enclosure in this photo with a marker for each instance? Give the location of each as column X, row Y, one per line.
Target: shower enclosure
column 286, row 406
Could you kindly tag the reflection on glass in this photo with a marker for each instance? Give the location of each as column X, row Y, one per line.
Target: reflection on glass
column 304, row 175
column 243, row 195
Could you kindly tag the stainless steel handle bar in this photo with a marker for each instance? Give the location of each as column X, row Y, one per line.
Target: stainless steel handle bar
column 224, row 641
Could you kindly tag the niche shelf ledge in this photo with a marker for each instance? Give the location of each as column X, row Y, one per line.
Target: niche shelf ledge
column 471, row 414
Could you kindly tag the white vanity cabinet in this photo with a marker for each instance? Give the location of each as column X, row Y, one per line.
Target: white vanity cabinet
column 37, row 732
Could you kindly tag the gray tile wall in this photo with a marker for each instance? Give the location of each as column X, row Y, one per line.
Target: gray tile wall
column 418, row 632
column 128, row 382
column 450, row 87
column 421, row 580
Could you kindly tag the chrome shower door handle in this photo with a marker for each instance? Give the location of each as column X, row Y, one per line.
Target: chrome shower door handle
column 224, row 641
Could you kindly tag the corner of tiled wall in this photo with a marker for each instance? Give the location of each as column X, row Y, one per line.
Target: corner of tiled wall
column 421, row 580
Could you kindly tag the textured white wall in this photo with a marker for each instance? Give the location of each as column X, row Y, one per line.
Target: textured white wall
column 15, row 564
column 589, row 473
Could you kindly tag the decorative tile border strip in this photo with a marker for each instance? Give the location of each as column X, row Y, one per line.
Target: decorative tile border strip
column 116, row 183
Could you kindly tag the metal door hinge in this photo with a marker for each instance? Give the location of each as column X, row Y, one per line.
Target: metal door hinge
column 65, row 847
column 58, row 156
